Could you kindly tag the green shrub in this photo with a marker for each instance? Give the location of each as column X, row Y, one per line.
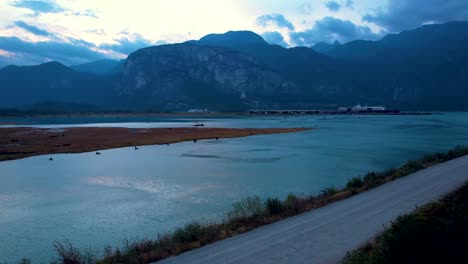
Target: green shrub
column 329, row 191
column 189, row 233
column 412, row 166
column 274, row 206
column 290, row 201
column 355, row 182
column 248, row 207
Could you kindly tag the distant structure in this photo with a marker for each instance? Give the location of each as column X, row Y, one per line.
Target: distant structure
column 351, row 110
column 360, row 108
column 51, row 159
column 198, row 111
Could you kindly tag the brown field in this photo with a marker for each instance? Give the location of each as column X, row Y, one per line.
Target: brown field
column 17, row 143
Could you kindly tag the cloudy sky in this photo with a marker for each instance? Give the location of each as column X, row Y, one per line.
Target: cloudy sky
column 78, row 31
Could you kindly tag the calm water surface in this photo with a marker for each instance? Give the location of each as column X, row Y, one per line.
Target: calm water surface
column 93, row 201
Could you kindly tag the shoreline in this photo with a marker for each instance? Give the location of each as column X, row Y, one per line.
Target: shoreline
column 23, row 142
column 253, row 213
column 175, row 114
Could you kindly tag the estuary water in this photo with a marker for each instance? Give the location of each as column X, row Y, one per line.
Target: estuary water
column 93, row 201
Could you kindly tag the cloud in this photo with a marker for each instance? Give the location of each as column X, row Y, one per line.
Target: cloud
column 274, row 37
column 32, row 29
column 64, row 52
column 333, row 6
column 330, row 29
column 275, row 20
column 403, row 14
column 86, row 13
column 127, row 45
column 305, row 8
column 39, row 6
column 349, row 3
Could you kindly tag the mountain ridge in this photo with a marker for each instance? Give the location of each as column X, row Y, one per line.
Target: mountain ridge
column 423, row 69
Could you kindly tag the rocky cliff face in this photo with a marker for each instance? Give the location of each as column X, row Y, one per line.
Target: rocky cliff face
column 187, row 75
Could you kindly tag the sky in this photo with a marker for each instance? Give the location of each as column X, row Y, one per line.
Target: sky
column 80, row 31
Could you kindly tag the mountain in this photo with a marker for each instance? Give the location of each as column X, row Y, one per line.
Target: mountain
column 421, row 69
column 52, row 81
column 184, row 76
column 102, row 67
column 426, row 68
column 309, row 70
column 239, row 67
column 232, row 39
column 324, row 48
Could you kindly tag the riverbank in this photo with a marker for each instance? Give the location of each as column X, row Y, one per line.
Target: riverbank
column 22, row 142
column 254, row 212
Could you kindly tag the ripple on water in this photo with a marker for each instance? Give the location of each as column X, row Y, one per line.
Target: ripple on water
column 239, row 159
column 151, row 185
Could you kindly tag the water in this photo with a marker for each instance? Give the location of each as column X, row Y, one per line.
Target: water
column 93, row 201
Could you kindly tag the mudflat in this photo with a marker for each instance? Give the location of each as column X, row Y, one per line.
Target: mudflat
column 21, row 142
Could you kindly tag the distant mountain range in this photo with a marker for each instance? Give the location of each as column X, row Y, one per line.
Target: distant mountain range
column 102, row 67
column 423, row 69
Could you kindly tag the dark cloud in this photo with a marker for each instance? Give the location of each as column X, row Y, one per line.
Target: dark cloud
column 39, row 6
column 404, row 14
column 275, row 19
column 64, row 52
column 82, row 42
column 274, row 37
column 32, row 29
column 330, row 29
column 126, row 46
column 333, row 6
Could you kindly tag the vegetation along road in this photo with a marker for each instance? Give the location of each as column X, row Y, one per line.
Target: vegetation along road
column 325, row 235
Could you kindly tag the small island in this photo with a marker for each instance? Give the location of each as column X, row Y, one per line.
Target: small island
column 22, row 142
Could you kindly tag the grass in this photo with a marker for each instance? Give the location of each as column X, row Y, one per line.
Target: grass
column 246, row 215
column 436, row 233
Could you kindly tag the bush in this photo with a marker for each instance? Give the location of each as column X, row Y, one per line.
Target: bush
column 274, row 206
column 355, row 182
column 189, row 233
column 412, row 166
column 290, row 201
column 248, row 207
column 329, row 191
column 67, row 254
